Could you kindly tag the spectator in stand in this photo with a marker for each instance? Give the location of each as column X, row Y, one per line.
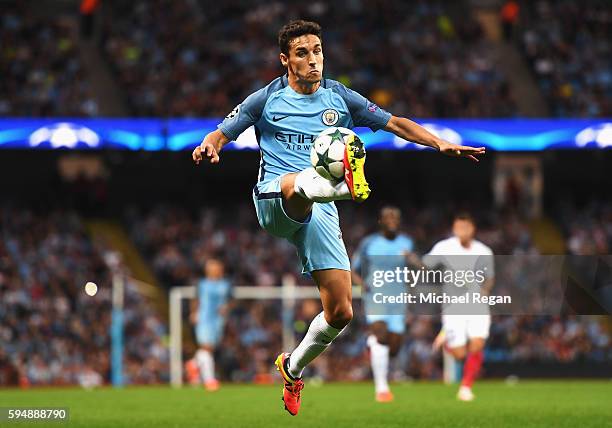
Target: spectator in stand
column 567, row 45
column 171, row 57
column 42, row 74
column 510, row 12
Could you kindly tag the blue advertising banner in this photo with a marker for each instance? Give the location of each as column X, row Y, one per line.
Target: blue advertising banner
column 82, row 134
column 184, row 134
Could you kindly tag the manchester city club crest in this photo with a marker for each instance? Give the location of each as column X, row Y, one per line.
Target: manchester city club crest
column 330, row 117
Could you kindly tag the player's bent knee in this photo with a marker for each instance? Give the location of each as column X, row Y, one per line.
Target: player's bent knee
column 379, row 329
column 458, row 353
column 295, row 206
column 288, row 184
column 476, row 344
column 340, row 316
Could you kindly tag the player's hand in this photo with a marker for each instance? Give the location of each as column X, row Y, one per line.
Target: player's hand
column 193, row 317
column 458, row 151
column 438, row 341
column 205, row 151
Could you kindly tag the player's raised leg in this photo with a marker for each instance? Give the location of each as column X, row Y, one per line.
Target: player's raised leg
column 335, row 288
column 311, row 186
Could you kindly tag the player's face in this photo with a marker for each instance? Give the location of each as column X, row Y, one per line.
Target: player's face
column 213, row 269
column 390, row 220
column 464, row 230
column 305, row 59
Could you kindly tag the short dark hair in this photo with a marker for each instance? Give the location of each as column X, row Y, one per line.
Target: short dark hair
column 466, row 216
column 296, row 29
column 390, row 208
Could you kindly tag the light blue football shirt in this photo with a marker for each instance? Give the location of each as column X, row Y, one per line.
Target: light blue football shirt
column 212, row 294
column 287, row 123
column 377, row 252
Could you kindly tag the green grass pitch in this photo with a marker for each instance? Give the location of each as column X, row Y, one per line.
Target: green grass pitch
column 527, row 404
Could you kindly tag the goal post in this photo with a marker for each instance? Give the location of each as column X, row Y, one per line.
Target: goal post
column 288, row 294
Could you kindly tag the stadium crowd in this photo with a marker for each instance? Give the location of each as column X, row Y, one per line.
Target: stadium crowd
column 184, row 58
column 51, row 332
column 589, row 230
column 42, row 74
column 193, row 58
column 567, row 45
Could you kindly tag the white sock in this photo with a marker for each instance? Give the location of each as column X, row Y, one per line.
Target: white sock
column 379, row 358
column 318, row 337
column 310, row 185
column 206, row 364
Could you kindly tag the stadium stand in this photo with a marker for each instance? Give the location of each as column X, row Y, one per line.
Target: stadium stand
column 181, row 59
column 175, row 243
column 51, row 332
column 42, row 74
column 567, row 45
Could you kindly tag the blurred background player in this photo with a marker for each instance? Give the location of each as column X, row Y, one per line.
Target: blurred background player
column 291, row 199
column 380, row 251
column 208, row 314
column 465, row 328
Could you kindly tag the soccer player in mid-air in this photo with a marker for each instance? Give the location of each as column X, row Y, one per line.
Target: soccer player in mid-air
column 292, row 201
column 208, row 314
column 465, row 328
column 385, row 250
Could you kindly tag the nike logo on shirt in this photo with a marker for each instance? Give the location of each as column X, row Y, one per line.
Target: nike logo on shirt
column 276, row 119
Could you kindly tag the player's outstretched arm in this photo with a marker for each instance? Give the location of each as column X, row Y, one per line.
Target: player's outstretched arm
column 210, row 147
column 411, row 131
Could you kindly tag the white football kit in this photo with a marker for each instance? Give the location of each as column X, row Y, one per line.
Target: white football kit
column 458, row 326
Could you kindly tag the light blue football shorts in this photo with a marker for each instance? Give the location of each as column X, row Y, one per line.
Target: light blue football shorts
column 395, row 323
column 209, row 330
column 318, row 239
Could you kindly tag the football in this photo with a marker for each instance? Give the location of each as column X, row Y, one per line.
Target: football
column 327, row 153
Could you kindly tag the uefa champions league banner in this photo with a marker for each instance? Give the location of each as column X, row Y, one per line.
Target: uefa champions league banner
column 184, row 134
column 495, row 134
column 82, row 134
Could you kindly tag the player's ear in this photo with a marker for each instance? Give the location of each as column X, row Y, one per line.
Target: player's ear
column 284, row 60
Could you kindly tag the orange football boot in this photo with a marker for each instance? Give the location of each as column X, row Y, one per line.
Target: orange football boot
column 292, row 388
column 384, row 397
column 212, row 385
